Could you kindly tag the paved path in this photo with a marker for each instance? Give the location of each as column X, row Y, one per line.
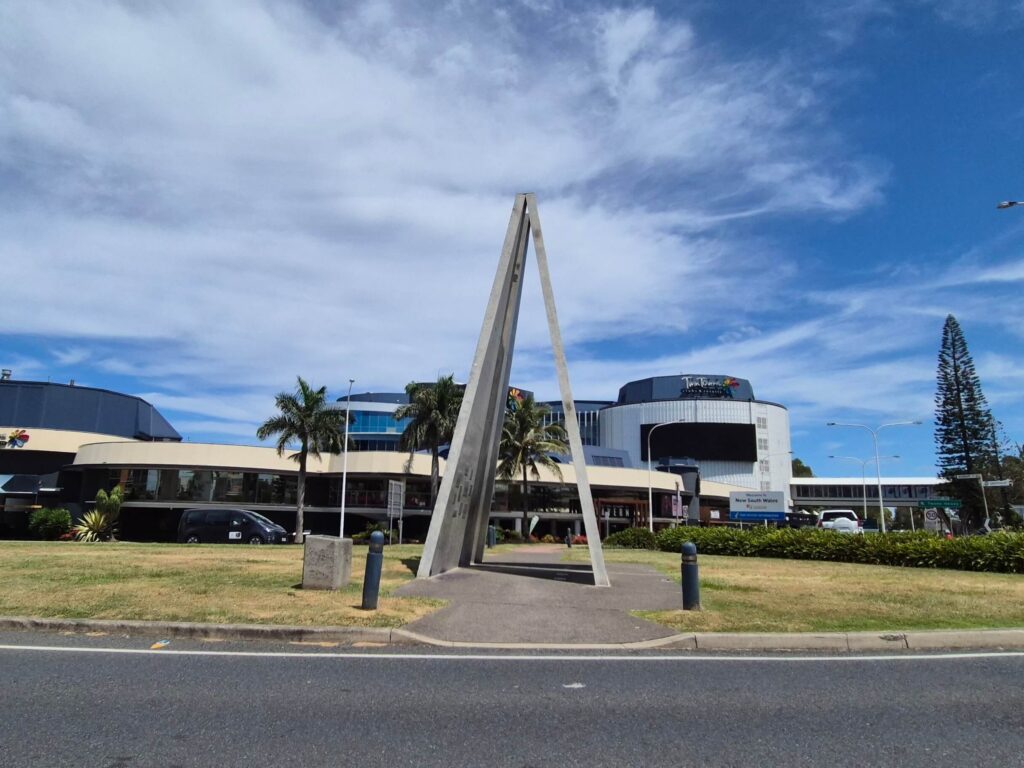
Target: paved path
column 530, row 596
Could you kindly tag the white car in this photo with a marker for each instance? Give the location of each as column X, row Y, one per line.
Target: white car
column 840, row 521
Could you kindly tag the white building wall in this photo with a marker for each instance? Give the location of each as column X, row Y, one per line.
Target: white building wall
column 620, row 428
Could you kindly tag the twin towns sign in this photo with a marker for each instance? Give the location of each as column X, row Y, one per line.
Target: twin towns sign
column 711, row 386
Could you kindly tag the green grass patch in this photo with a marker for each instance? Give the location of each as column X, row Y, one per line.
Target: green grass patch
column 205, row 583
column 750, row 594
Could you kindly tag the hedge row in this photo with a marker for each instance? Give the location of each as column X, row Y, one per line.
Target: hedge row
column 995, row 553
column 632, row 538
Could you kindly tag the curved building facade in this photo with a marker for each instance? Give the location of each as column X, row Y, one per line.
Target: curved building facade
column 42, row 426
column 713, row 422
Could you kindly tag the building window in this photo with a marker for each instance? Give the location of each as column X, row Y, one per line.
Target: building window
column 766, row 485
column 762, row 422
column 762, row 443
column 766, row 466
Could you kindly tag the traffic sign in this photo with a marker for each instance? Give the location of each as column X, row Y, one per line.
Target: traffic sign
column 997, row 483
column 939, row 503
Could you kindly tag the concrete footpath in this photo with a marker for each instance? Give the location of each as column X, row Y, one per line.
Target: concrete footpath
column 530, row 600
column 530, row 596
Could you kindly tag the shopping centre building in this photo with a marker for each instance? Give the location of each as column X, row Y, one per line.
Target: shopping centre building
column 707, row 436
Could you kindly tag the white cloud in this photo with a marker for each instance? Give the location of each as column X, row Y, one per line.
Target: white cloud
column 979, row 15
column 217, row 195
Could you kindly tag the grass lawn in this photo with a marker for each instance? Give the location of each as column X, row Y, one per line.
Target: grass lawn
column 208, row 583
column 749, row 594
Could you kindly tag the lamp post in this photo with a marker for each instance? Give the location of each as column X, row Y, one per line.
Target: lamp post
column 344, row 460
column 650, row 477
column 864, row 482
column 878, row 466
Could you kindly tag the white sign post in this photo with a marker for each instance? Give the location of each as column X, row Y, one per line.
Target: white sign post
column 396, row 503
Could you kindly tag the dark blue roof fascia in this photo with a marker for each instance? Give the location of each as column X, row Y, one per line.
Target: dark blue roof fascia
column 45, row 405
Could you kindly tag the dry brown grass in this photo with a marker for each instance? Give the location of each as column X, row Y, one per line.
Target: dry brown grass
column 171, row 582
column 748, row 594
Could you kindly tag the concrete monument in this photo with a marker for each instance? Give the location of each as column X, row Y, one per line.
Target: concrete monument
column 326, row 562
column 458, row 527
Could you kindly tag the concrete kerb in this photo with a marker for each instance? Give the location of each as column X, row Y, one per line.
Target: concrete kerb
column 987, row 639
column 199, row 631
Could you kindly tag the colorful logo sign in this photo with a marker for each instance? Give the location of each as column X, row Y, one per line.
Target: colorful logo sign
column 728, row 385
column 17, row 438
column 515, row 397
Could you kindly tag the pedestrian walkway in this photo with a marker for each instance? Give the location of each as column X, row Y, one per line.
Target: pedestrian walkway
column 530, row 596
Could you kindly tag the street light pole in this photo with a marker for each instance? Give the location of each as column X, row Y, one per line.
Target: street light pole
column 650, row 476
column 864, row 482
column 878, row 464
column 344, row 460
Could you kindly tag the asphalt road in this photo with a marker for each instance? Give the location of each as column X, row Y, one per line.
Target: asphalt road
column 335, row 707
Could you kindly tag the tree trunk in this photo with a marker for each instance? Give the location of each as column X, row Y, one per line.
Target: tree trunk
column 434, row 475
column 526, row 505
column 300, row 495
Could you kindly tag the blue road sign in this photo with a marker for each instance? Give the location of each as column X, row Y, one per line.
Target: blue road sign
column 758, row 517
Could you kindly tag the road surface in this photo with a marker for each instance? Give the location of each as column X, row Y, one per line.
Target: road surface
column 112, row 702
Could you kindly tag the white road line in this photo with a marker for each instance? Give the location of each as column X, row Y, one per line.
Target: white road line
column 508, row 657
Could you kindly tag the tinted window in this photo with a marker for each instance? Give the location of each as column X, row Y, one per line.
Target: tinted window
column 195, row 517
column 837, row 515
column 217, row 517
column 261, row 518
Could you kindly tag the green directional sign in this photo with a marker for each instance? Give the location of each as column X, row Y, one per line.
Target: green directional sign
column 937, row 503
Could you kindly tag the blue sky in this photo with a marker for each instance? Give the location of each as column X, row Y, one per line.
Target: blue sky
column 199, row 201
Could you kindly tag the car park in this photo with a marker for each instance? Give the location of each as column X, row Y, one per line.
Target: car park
column 229, row 526
column 840, row 521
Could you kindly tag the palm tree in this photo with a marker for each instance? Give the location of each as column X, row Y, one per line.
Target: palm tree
column 433, row 410
column 527, row 444
column 303, row 417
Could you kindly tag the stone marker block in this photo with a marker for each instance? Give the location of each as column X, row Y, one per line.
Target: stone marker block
column 326, row 562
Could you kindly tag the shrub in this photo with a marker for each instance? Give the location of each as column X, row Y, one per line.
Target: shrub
column 579, row 540
column 547, row 538
column 632, row 538
column 513, row 536
column 997, row 552
column 363, row 537
column 49, row 524
column 95, row 525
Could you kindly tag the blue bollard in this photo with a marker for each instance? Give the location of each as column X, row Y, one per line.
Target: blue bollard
column 374, row 565
column 492, row 537
column 691, row 578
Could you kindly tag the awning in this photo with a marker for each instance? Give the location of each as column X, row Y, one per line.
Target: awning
column 23, row 485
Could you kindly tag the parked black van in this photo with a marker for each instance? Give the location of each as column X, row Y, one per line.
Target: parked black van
column 229, row 526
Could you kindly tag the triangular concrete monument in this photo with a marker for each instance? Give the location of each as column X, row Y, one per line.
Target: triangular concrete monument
column 458, row 528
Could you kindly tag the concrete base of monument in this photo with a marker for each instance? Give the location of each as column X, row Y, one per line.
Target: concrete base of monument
column 326, row 562
column 532, row 597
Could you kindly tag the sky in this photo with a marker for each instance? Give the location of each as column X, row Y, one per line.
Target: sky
column 200, row 201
